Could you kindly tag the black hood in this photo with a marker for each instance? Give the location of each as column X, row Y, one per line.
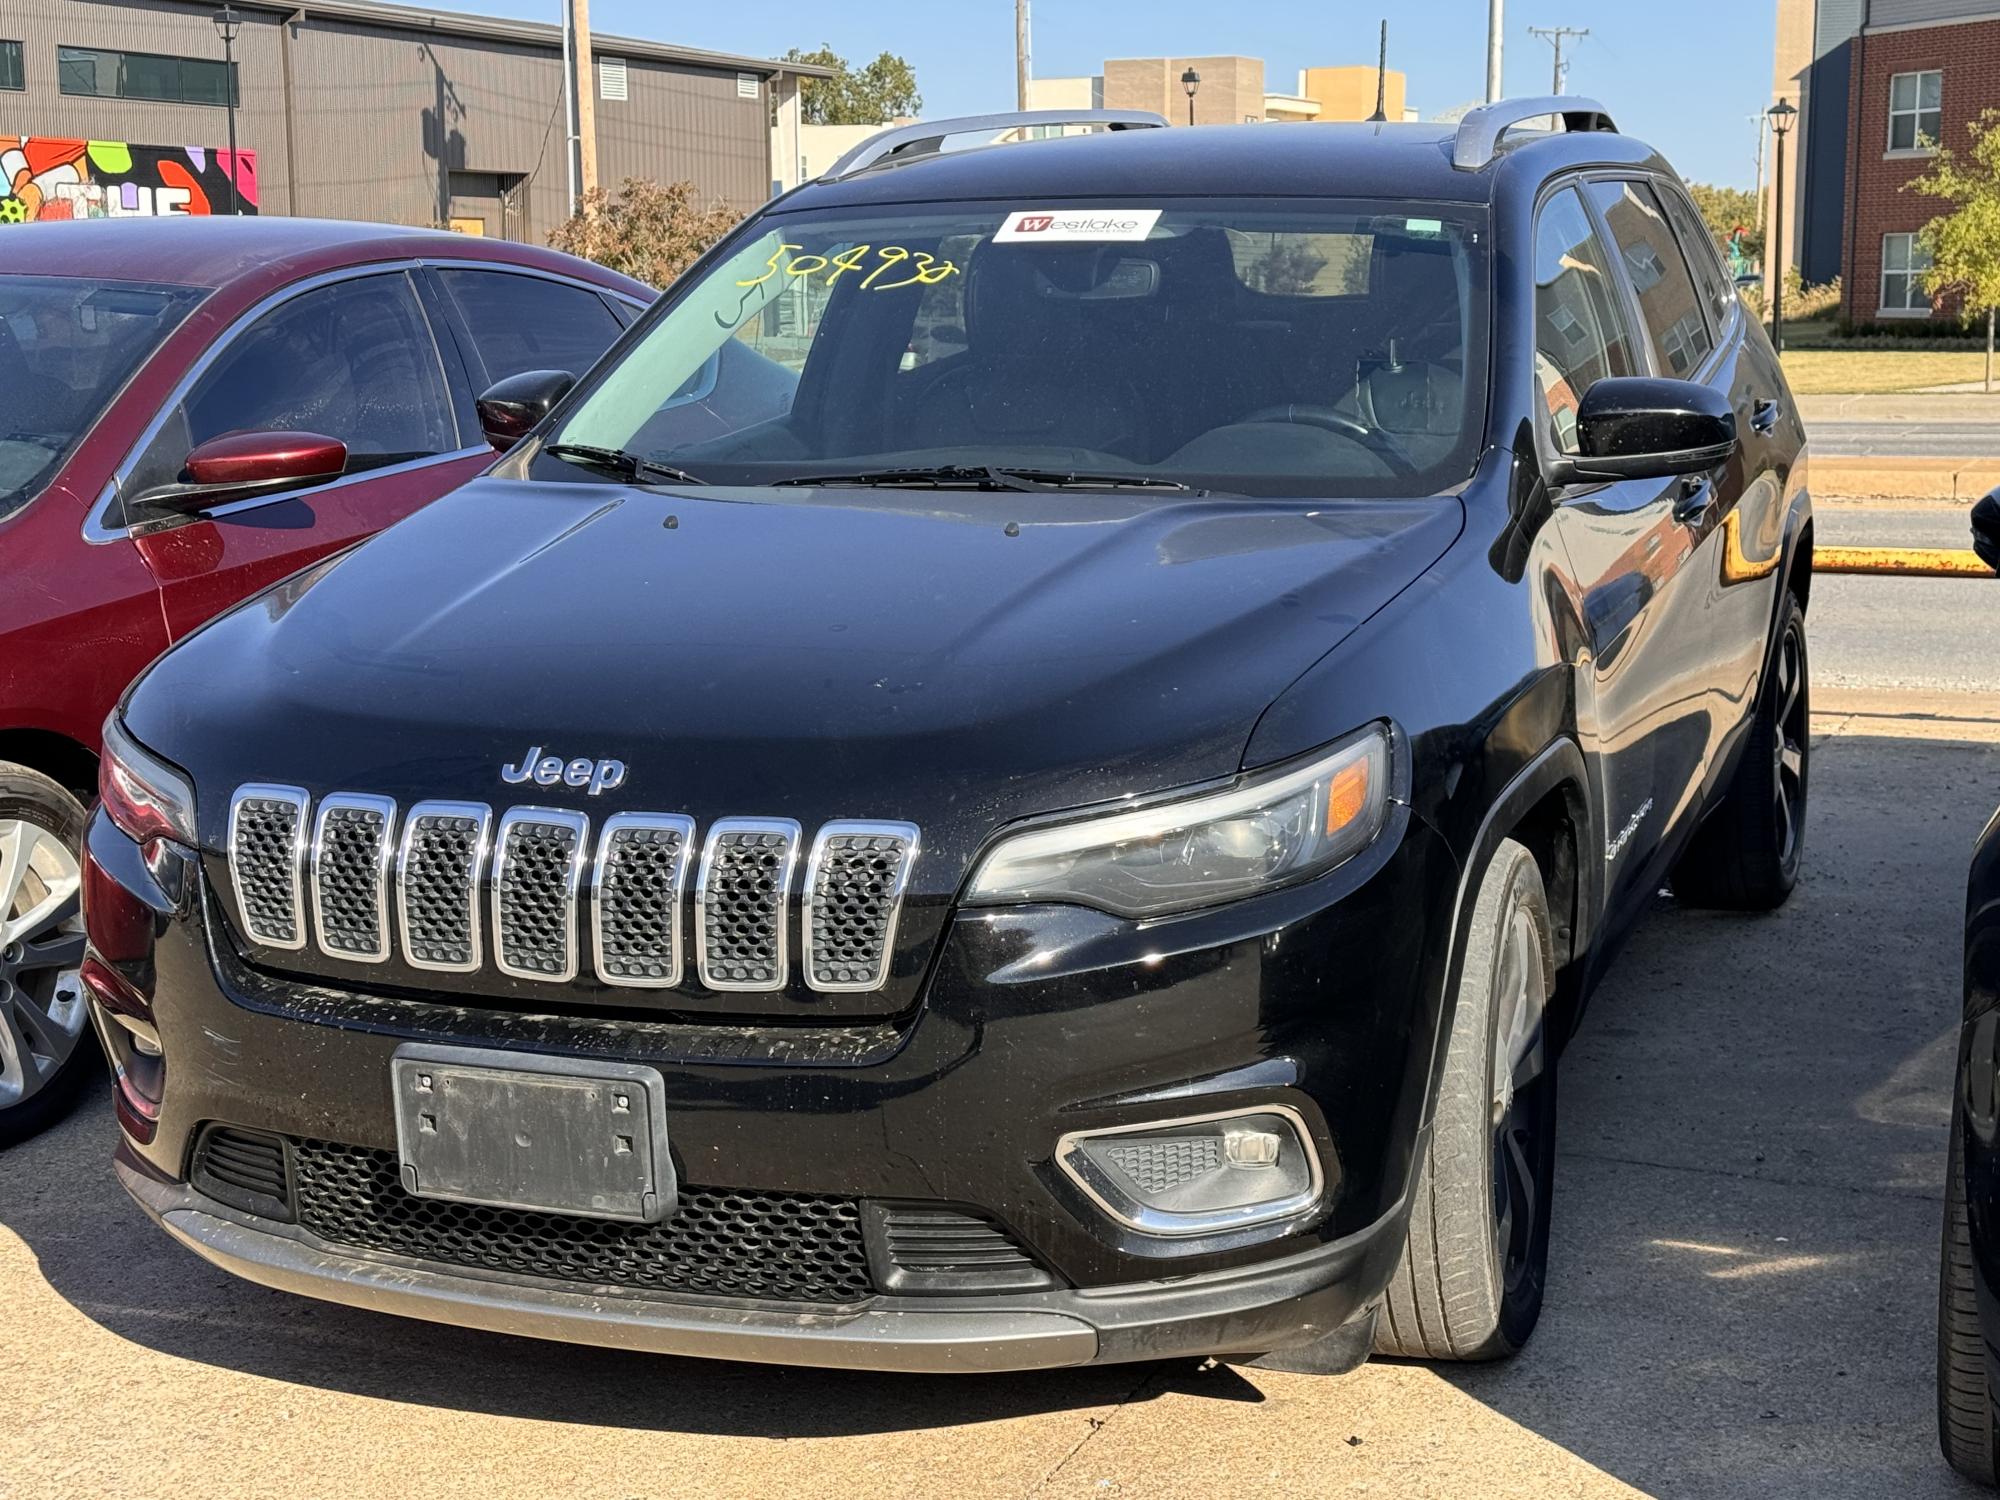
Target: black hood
column 953, row 660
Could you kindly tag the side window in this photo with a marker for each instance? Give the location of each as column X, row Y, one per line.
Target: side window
column 529, row 322
column 1698, row 246
column 1580, row 334
column 1676, row 323
column 353, row 360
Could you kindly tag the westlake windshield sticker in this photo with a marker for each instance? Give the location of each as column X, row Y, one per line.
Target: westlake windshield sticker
column 1051, row 224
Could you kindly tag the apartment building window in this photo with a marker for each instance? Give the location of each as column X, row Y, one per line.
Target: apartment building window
column 1904, row 261
column 12, row 75
column 1916, row 111
column 99, row 73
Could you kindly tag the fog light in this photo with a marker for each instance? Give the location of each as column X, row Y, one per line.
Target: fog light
column 1201, row 1175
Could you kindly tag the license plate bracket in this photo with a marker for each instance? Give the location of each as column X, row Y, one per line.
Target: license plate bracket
column 521, row 1130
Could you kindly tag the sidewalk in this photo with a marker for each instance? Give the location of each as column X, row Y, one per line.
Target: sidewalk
column 1907, row 406
column 1955, row 479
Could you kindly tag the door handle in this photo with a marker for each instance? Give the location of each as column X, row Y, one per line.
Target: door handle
column 1764, row 417
column 1697, row 493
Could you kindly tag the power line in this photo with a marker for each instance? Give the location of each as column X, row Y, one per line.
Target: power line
column 1554, row 36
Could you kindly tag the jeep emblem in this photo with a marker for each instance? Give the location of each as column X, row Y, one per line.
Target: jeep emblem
column 552, row 770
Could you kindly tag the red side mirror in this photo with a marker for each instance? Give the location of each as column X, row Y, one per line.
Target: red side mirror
column 266, row 458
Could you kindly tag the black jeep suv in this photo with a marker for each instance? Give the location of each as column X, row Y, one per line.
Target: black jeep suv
column 1034, row 769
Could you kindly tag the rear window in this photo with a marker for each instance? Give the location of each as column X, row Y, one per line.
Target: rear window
column 66, row 347
column 1270, row 348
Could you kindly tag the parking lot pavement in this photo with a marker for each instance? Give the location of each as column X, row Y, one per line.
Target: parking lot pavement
column 1742, row 1295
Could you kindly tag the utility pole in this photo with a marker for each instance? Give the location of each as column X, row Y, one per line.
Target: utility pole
column 1554, row 36
column 1759, row 121
column 1494, row 26
column 1382, row 78
column 586, row 103
column 1024, row 72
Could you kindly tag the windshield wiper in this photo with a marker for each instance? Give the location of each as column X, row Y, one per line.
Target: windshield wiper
column 620, row 462
column 988, row 477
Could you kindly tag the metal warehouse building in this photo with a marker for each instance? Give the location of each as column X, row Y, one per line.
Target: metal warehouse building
column 349, row 109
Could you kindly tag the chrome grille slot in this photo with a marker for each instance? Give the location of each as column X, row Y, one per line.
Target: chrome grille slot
column 267, row 850
column 739, row 903
column 352, row 849
column 537, row 867
column 855, row 881
column 637, row 885
column 437, row 886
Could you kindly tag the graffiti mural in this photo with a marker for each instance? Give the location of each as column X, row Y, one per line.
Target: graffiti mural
column 46, row 177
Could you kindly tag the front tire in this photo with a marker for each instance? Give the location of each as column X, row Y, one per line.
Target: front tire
column 1470, row 1283
column 47, row 1049
column 1746, row 854
column 1966, row 1418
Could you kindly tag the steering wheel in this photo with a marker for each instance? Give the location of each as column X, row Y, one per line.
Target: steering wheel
column 1374, row 439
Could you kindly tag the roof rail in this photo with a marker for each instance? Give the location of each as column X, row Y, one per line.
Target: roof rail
column 1480, row 131
column 927, row 137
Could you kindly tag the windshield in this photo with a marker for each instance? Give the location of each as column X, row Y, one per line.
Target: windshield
column 66, row 346
column 1336, row 347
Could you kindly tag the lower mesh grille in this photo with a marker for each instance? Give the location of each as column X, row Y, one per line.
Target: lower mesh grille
column 722, row 1243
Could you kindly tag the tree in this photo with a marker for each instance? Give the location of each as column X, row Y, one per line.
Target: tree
column 884, row 90
column 650, row 231
column 1964, row 244
column 1725, row 210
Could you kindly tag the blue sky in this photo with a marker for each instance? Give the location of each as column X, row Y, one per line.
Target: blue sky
column 1685, row 76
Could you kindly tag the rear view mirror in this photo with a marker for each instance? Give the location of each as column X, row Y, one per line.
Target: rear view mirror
column 1639, row 427
column 240, row 464
column 1986, row 529
column 509, row 409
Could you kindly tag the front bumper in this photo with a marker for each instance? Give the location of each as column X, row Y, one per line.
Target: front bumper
column 1034, row 1022
column 1255, row 1309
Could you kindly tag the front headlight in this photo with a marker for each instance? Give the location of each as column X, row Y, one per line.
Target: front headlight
column 142, row 794
column 1274, row 829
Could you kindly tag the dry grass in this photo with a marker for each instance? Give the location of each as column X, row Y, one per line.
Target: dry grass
column 1848, row 372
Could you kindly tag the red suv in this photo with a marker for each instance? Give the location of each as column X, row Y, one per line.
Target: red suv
column 190, row 410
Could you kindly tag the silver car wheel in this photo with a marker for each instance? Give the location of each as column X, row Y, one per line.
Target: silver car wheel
column 42, row 1012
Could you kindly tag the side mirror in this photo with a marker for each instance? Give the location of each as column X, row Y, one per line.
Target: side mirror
column 509, row 409
column 240, row 464
column 1986, row 529
column 1638, row 427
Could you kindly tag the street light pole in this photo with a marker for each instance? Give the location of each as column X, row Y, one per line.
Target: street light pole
column 1781, row 123
column 1494, row 28
column 227, row 24
column 1190, row 80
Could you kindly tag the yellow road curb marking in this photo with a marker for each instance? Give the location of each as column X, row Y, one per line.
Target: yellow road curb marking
column 1907, row 562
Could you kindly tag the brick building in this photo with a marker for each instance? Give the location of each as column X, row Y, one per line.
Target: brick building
column 1919, row 81
column 1878, row 83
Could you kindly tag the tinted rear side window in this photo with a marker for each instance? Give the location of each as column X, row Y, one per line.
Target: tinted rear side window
column 1699, row 247
column 1580, row 333
column 530, row 323
column 1676, row 321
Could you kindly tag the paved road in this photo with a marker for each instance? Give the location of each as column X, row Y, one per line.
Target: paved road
column 1742, row 1285
column 1913, row 439
column 1894, row 634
